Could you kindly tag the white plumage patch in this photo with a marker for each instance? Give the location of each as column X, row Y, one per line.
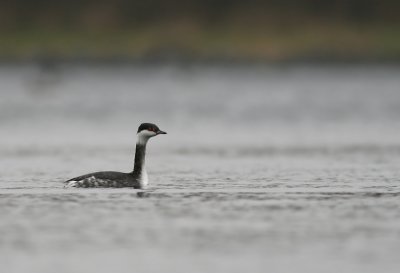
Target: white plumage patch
column 143, row 136
column 72, row 184
column 144, row 180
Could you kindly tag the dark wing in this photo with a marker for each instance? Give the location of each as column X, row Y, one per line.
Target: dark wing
column 100, row 175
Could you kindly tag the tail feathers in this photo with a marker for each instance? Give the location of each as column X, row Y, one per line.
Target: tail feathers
column 71, row 184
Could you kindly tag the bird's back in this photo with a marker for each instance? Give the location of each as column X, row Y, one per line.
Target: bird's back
column 103, row 179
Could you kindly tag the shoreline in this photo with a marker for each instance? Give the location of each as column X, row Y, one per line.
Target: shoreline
column 47, row 61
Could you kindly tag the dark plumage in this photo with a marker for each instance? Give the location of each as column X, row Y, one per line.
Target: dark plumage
column 107, row 179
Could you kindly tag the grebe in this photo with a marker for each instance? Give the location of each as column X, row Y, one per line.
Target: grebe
column 137, row 178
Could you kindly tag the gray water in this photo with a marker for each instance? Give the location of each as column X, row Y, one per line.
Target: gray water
column 264, row 169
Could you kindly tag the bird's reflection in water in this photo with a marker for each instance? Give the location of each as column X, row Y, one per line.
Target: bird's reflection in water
column 143, row 194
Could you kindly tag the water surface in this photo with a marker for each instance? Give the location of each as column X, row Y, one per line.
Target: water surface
column 280, row 169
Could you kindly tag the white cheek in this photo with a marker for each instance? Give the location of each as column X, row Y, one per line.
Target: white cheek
column 144, row 136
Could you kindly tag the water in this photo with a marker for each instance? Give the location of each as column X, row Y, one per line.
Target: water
column 280, row 169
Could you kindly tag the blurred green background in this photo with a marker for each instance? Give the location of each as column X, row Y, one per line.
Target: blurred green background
column 252, row 30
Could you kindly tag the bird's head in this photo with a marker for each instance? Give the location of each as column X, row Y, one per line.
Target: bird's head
column 146, row 131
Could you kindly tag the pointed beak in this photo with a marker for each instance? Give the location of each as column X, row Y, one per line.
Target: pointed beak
column 161, row 133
